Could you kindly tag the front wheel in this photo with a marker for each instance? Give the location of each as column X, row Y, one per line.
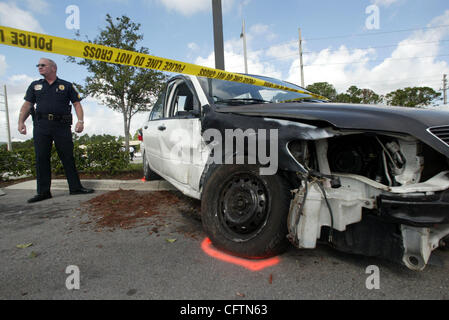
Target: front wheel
column 245, row 213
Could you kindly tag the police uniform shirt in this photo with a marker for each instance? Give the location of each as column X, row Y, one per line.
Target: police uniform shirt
column 54, row 98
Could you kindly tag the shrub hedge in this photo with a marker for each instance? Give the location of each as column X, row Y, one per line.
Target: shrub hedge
column 92, row 156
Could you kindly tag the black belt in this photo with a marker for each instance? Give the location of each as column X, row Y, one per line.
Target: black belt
column 65, row 118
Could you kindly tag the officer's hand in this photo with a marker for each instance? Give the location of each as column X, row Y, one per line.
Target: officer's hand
column 22, row 128
column 79, row 127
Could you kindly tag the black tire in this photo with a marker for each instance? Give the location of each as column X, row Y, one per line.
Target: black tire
column 244, row 213
column 149, row 174
column 445, row 247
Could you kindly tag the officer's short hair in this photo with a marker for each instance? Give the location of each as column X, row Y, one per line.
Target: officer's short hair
column 51, row 63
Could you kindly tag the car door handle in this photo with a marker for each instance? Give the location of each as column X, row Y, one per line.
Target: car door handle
column 161, row 128
column 146, row 127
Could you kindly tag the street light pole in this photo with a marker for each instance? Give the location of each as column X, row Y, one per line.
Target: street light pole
column 9, row 144
column 445, row 88
column 243, row 36
column 7, row 121
column 218, row 34
column 300, row 58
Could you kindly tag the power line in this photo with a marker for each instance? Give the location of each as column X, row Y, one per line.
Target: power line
column 419, row 44
column 374, row 60
column 432, row 79
column 360, row 62
column 426, row 83
column 375, row 33
column 353, row 35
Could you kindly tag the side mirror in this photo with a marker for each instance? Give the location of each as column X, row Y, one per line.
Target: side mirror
column 188, row 114
column 195, row 113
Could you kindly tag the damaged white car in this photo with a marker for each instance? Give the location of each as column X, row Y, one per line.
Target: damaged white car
column 273, row 167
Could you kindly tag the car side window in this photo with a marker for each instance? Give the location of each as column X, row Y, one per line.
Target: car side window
column 183, row 101
column 158, row 109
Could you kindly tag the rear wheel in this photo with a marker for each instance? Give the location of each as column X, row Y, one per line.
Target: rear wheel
column 245, row 213
column 147, row 172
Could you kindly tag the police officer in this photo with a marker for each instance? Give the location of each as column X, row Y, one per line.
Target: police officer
column 52, row 122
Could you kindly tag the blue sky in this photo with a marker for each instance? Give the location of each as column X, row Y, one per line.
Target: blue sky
column 409, row 47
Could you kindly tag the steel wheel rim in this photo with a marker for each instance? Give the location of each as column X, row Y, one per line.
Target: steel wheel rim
column 243, row 206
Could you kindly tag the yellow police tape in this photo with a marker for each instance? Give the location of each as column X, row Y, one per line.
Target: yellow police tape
column 41, row 42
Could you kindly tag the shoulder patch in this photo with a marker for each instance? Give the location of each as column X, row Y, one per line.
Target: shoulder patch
column 38, row 87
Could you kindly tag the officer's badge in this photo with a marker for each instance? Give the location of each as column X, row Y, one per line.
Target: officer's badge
column 61, row 87
column 38, row 87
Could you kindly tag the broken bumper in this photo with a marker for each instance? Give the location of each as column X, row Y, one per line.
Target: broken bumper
column 419, row 211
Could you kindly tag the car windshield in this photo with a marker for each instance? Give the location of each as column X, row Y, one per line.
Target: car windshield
column 226, row 93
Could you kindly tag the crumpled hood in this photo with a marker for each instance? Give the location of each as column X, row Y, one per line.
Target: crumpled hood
column 412, row 121
column 348, row 116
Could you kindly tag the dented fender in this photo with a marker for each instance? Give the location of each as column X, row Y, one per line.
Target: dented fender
column 287, row 131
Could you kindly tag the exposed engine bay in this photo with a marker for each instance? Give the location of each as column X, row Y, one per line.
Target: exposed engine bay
column 370, row 194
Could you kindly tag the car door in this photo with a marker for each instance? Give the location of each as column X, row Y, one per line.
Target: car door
column 151, row 134
column 180, row 135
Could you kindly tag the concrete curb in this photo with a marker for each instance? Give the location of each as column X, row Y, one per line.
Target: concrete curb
column 105, row 185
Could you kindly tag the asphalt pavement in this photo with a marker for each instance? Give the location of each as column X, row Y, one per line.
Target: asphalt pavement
column 41, row 243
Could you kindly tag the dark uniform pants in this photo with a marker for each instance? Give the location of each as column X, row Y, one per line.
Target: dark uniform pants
column 44, row 133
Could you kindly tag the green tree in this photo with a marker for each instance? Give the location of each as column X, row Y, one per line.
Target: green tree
column 343, row 98
column 370, row 97
column 412, row 97
column 357, row 95
column 323, row 89
column 122, row 88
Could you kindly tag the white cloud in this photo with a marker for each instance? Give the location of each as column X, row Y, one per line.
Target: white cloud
column 14, row 17
column 263, row 30
column 3, row 65
column 16, row 87
column 344, row 67
column 234, row 62
column 100, row 119
column 191, row 7
column 39, row 6
column 242, row 5
column 338, row 67
column 193, row 46
column 234, row 59
column 384, row 3
column 286, row 51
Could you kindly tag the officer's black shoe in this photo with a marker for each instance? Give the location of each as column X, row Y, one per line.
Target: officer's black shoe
column 40, row 197
column 82, row 191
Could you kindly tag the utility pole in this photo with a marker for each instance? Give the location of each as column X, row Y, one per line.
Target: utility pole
column 300, row 58
column 218, row 34
column 9, row 145
column 445, row 88
column 243, row 36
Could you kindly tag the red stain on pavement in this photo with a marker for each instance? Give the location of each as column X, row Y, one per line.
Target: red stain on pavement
column 253, row 265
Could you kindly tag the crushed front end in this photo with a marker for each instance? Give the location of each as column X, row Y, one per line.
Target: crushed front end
column 375, row 194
